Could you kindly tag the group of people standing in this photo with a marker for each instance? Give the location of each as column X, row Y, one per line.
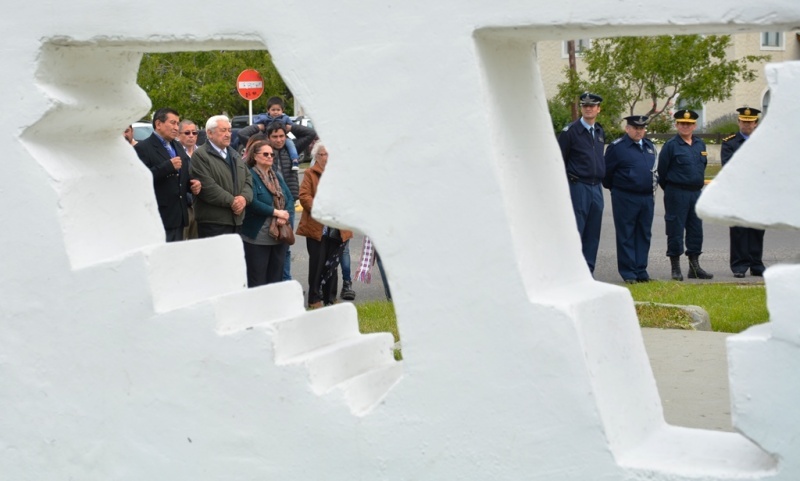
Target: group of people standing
column 210, row 190
column 632, row 169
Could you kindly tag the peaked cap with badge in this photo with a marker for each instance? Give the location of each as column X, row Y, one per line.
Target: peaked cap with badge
column 590, row 99
column 637, row 120
column 686, row 116
column 748, row 114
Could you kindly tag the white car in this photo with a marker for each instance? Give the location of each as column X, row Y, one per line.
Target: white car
column 142, row 130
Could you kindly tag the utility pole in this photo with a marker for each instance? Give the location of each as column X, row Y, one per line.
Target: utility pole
column 574, row 73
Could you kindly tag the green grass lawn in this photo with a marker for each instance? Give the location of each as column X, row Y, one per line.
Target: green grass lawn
column 731, row 307
column 379, row 316
column 663, row 317
column 712, row 170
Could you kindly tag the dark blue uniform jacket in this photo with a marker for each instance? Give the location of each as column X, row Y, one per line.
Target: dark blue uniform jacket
column 583, row 155
column 682, row 164
column 731, row 145
column 629, row 167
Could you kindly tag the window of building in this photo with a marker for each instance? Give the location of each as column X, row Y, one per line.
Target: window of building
column 772, row 41
column 581, row 44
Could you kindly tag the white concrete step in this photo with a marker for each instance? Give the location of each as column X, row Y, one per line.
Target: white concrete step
column 363, row 392
column 345, row 360
column 313, row 330
column 177, row 279
column 273, row 303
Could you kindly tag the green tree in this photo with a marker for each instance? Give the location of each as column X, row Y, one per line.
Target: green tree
column 202, row 84
column 653, row 71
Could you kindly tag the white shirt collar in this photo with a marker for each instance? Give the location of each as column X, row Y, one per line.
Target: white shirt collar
column 222, row 152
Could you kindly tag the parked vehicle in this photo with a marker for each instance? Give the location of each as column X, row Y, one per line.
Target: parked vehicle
column 142, row 130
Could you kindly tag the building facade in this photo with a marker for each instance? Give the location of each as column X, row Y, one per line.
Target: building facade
column 780, row 46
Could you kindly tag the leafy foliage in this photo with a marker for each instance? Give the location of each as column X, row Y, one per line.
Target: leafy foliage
column 202, row 84
column 560, row 115
column 727, row 124
column 653, row 71
column 661, row 123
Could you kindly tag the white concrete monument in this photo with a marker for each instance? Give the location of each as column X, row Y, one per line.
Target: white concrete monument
column 122, row 357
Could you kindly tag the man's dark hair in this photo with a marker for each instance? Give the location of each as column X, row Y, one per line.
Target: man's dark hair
column 274, row 127
column 161, row 115
column 275, row 101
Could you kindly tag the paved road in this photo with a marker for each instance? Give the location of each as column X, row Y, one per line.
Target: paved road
column 780, row 247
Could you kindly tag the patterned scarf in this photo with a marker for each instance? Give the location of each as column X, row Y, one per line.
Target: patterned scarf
column 278, row 200
column 367, row 261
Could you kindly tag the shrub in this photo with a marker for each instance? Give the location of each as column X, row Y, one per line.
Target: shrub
column 560, row 115
column 662, row 123
column 727, row 124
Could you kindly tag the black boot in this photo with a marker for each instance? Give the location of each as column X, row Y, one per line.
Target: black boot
column 348, row 294
column 695, row 271
column 676, row 268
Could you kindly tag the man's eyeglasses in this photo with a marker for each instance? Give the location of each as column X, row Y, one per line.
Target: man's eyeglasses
column 189, row 132
column 267, row 154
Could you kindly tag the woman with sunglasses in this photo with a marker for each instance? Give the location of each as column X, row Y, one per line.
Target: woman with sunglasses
column 263, row 253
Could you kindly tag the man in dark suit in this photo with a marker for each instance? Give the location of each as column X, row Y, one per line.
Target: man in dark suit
column 227, row 182
column 169, row 163
column 747, row 244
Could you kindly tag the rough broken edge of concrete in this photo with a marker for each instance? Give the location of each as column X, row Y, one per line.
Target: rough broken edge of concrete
column 701, row 321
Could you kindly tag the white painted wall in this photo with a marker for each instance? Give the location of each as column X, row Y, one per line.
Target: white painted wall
column 517, row 364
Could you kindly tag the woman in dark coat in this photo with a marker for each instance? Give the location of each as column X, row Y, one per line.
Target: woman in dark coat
column 263, row 253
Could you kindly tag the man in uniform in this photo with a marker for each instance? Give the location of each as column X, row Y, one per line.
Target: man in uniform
column 681, row 173
column 747, row 245
column 630, row 175
column 582, row 144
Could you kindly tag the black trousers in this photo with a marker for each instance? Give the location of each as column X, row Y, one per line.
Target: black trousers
column 264, row 263
column 207, row 229
column 747, row 247
column 174, row 235
column 318, row 253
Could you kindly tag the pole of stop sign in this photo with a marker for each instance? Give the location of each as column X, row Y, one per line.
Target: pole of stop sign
column 250, row 86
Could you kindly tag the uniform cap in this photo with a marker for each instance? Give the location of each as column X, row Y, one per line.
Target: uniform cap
column 590, row 99
column 748, row 114
column 686, row 116
column 637, row 120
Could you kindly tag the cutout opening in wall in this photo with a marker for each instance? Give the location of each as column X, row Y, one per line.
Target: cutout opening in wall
column 529, row 165
column 93, row 89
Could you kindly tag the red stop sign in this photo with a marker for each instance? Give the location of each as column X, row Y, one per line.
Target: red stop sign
column 249, row 84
